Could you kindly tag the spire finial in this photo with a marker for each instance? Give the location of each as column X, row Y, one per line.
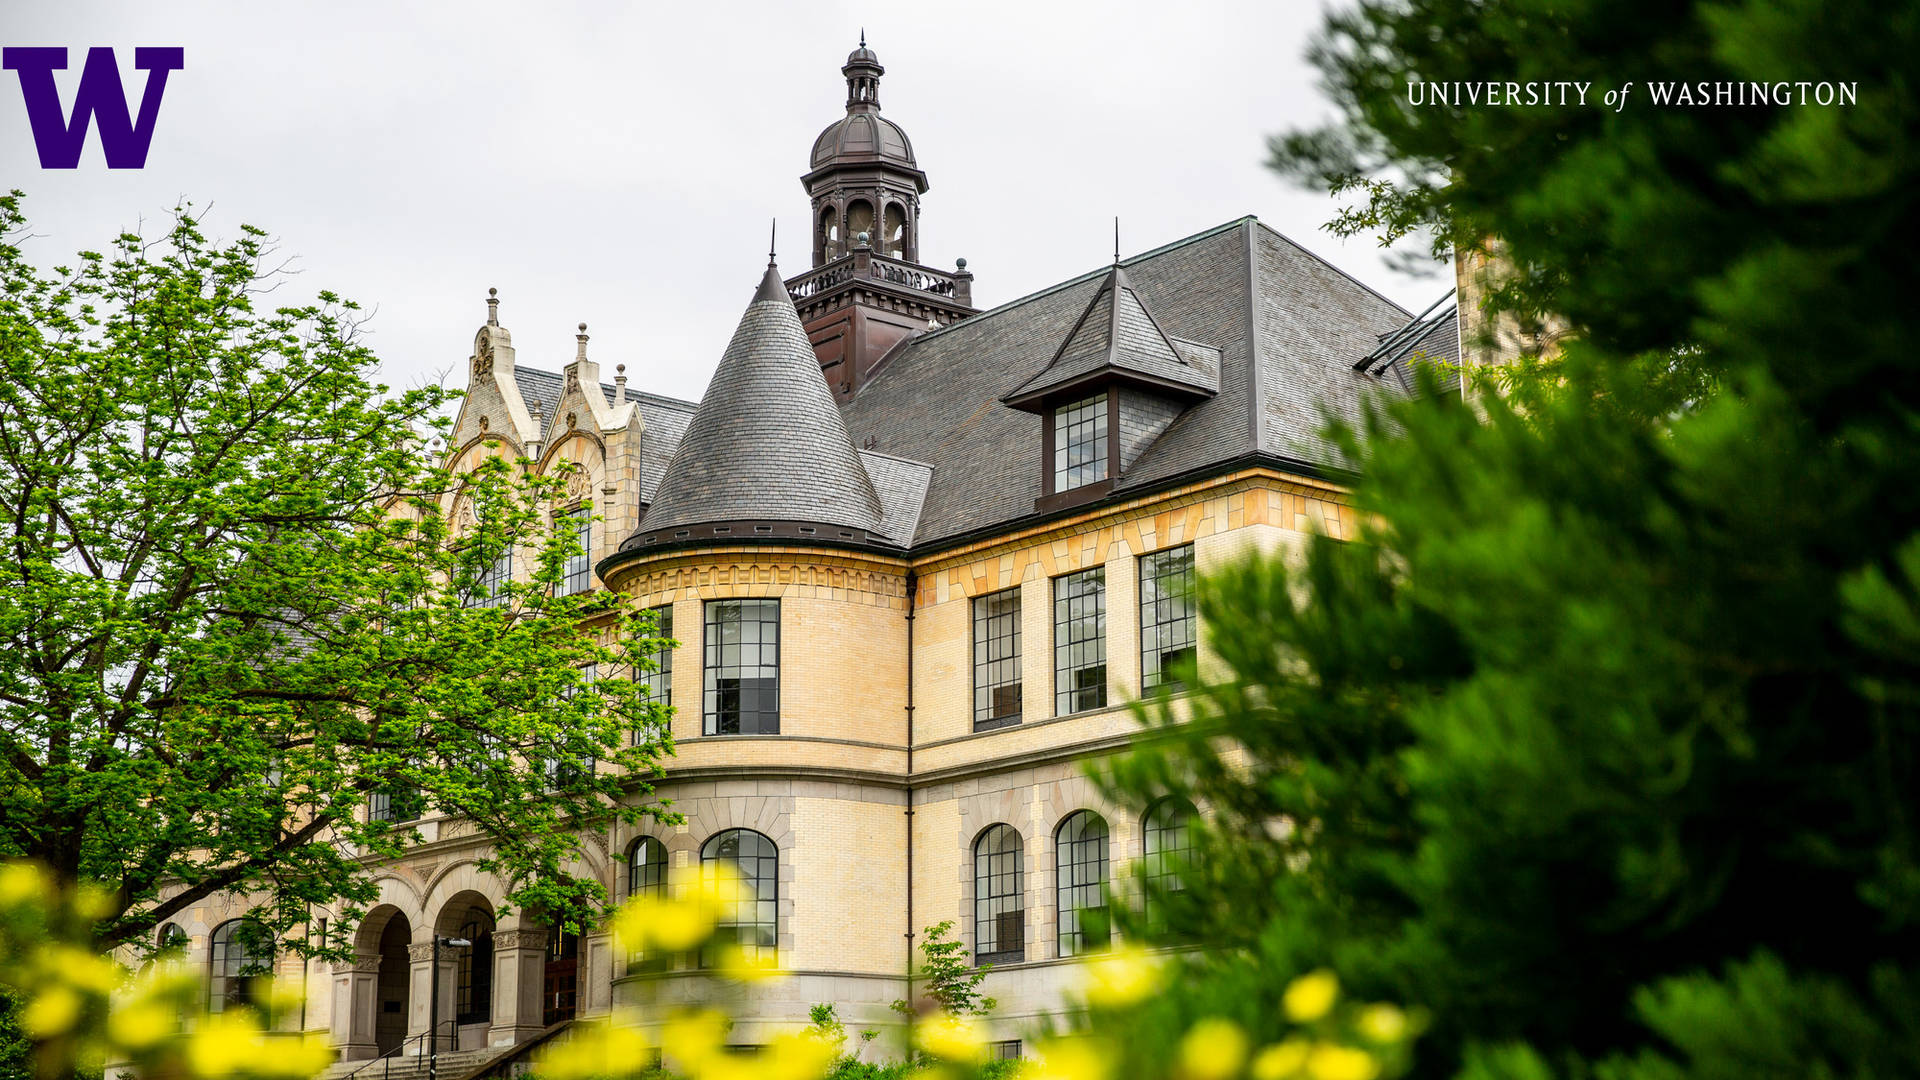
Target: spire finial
column 773, row 242
column 493, row 307
column 580, row 350
column 1116, row 239
column 863, row 37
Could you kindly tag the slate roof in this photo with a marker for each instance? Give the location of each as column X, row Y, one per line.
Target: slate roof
column 1287, row 328
column 665, row 419
column 1116, row 336
column 767, row 442
column 1435, row 341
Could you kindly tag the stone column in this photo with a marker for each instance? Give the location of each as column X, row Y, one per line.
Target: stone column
column 519, row 972
column 355, row 999
column 419, row 987
column 596, row 974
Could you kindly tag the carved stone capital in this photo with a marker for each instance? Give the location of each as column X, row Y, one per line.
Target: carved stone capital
column 364, row 964
column 519, row 939
column 420, row 954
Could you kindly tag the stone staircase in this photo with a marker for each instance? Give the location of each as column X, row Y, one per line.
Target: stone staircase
column 454, row 1065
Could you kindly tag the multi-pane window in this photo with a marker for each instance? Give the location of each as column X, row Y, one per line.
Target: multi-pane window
column 1080, row 641
column 996, row 660
column 560, row 992
column 752, row 920
column 1006, row 1050
column 1169, row 851
column 658, row 683
column 646, row 877
column 564, row 769
column 473, row 971
column 999, row 897
column 1080, row 851
column 490, row 586
column 1080, row 443
column 239, row 953
column 579, row 568
column 395, row 803
column 743, row 667
column 1167, row 619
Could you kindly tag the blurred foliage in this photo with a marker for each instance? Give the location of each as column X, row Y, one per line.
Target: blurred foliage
column 1600, row 743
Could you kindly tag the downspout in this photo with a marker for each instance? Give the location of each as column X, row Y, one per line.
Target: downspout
column 913, row 587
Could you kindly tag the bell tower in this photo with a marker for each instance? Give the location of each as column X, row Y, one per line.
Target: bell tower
column 867, row 290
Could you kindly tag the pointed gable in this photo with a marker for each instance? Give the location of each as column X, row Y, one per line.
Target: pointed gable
column 1117, row 340
column 767, row 453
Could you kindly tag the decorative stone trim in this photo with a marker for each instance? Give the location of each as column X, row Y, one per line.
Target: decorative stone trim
column 519, row 939
column 359, row 965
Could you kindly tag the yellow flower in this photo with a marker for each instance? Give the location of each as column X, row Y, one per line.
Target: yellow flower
column 299, row 1059
column 92, row 901
column 796, row 1056
column 52, row 1012
column 1383, row 1023
column 1280, row 1061
column 20, row 883
column 1213, row 1049
column 735, row 964
column 1122, row 977
column 140, row 1024
column 954, row 1038
column 694, row 1039
column 226, row 1043
column 598, row 1049
column 1330, row 1062
column 1071, row 1059
column 1311, row 996
column 672, row 925
column 78, row 967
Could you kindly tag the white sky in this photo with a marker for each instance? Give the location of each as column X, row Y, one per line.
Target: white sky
column 619, row 163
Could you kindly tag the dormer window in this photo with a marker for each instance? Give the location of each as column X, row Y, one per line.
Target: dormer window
column 1080, row 443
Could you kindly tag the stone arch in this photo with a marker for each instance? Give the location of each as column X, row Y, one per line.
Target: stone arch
column 769, row 815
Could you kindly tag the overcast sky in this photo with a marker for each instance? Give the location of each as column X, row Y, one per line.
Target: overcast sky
column 619, row 163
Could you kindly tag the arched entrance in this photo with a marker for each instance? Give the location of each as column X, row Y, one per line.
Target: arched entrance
column 468, row 1003
column 390, row 987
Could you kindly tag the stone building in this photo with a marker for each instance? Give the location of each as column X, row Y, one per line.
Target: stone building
column 917, row 557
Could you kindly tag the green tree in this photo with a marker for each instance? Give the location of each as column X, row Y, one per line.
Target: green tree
column 235, row 607
column 1602, row 744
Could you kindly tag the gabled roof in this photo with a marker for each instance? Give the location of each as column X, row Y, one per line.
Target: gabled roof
column 767, row 444
column 1287, row 327
column 664, row 419
column 1116, row 339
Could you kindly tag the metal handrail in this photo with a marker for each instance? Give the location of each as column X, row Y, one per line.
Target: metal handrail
column 385, row 1059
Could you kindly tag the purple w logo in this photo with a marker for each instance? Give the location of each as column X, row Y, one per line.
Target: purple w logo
column 100, row 96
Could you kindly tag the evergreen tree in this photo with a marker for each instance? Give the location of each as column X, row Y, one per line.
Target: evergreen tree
column 1600, row 746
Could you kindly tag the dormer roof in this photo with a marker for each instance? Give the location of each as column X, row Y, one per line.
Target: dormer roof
column 1117, row 340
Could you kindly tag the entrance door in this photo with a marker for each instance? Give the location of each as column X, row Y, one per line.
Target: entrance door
column 562, row 989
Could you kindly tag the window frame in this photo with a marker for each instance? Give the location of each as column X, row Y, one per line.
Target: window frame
column 659, row 681
column 1012, row 901
column 766, row 721
column 637, row 866
column 1161, row 866
column 1075, row 849
column 577, row 572
column 221, row 944
column 1158, row 612
column 765, row 901
column 985, row 635
column 1094, row 413
column 1068, row 694
column 473, row 972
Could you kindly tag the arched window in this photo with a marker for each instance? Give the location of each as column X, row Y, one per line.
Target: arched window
column 239, row 952
column 754, row 922
column 1169, row 851
column 646, row 876
column 170, row 943
column 859, row 220
column 1080, row 851
column 893, row 233
column 999, row 897
column 828, row 243
column 473, row 971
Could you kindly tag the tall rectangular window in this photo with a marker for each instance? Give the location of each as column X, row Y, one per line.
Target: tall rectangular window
column 564, row 770
column 658, row 683
column 1080, row 641
column 490, row 586
column 579, row 570
column 743, row 667
column 1080, row 443
column 1167, row 619
column 996, row 660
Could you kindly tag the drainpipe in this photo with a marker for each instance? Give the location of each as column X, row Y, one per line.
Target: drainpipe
column 912, row 592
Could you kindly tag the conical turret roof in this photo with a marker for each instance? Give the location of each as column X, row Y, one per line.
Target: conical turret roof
column 767, row 447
